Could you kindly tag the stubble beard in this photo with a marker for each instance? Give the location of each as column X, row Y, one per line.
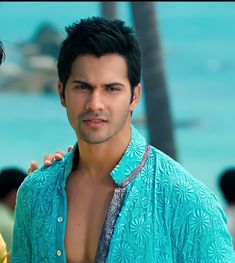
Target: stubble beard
column 103, row 134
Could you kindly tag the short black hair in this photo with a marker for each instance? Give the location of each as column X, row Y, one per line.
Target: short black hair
column 227, row 184
column 2, row 53
column 99, row 36
column 10, row 179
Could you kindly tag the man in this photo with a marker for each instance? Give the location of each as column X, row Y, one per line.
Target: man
column 227, row 186
column 113, row 198
column 10, row 180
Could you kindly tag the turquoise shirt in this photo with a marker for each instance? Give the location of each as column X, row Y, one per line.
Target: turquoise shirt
column 159, row 213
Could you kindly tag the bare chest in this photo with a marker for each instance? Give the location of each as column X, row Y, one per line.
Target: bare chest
column 87, row 208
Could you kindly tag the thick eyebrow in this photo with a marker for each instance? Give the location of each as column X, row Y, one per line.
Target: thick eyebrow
column 83, row 83
column 114, row 84
column 91, row 86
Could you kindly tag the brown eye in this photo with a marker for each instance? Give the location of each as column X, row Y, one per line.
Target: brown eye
column 112, row 88
column 81, row 87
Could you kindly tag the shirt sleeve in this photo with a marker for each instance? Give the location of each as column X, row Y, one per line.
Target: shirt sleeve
column 203, row 234
column 21, row 248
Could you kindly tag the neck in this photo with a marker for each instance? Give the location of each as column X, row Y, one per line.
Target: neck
column 98, row 160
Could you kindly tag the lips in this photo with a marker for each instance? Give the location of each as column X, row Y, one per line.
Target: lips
column 94, row 122
column 95, row 119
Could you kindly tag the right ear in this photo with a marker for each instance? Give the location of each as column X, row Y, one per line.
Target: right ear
column 61, row 93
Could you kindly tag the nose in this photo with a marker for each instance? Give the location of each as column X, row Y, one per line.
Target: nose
column 94, row 101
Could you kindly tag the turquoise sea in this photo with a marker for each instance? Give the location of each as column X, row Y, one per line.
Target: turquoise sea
column 198, row 41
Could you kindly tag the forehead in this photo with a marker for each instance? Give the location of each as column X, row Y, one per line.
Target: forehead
column 108, row 66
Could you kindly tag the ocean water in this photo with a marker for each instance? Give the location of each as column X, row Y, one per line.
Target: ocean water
column 198, row 41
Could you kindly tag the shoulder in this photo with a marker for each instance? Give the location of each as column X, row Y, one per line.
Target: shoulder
column 44, row 176
column 193, row 211
column 167, row 169
column 184, row 189
column 40, row 180
column 198, row 222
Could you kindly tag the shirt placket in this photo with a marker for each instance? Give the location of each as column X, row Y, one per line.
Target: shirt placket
column 61, row 225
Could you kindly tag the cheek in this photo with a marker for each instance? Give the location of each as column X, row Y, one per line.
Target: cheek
column 120, row 108
column 74, row 103
column 70, row 116
column 72, row 112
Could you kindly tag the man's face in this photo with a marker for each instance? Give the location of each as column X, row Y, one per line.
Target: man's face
column 97, row 97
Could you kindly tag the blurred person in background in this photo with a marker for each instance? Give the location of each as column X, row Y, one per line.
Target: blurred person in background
column 3, row 251
column 113, row 198
column 10, row 180
column 227, row 186
column 2, row 53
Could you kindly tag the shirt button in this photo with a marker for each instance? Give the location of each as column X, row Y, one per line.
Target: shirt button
column 60, row 219
column 59, row 253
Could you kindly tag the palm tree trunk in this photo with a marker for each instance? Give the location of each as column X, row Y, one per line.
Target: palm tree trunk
column 155, row 90
column 109, row 10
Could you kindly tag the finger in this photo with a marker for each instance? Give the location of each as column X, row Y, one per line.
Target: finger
column 33, row 167
column 48, row 160
column 70, row 148
column 59, row 155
